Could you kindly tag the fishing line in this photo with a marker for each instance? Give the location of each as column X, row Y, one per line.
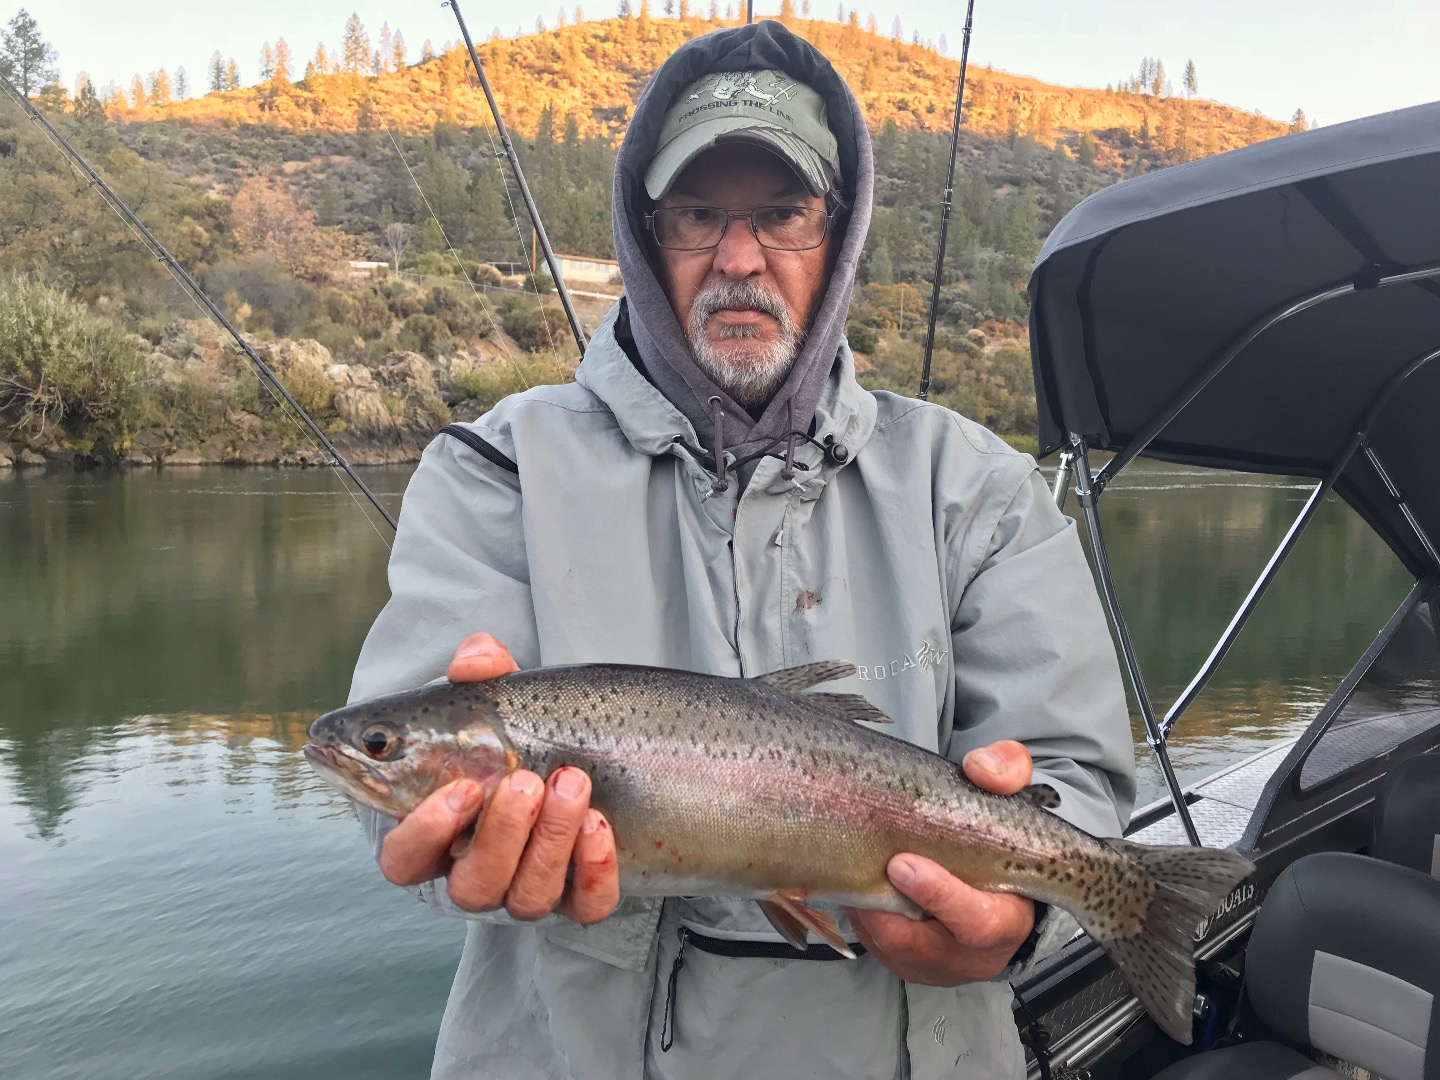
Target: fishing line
column 200, row 299
column 460, row 263
column 520, row 237
column 527, row 369
column 509, row 149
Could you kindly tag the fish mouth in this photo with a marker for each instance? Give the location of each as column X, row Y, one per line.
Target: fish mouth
column 351, row 775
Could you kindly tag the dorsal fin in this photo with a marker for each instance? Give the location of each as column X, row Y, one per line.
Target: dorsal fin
column 794, row 679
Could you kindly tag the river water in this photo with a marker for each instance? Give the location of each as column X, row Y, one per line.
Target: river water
column 179, row 896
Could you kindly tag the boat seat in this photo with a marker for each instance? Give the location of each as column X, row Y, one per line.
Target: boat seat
column 1345, row 959
column 1406, row 828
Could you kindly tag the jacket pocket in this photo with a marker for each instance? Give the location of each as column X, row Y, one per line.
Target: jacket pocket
column 730, row 1009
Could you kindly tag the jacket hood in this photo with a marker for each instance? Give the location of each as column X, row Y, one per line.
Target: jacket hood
column 659, row 339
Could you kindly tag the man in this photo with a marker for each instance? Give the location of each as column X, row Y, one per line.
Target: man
column 717, row 493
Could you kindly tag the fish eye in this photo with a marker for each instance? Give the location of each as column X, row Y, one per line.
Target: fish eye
column 379, row 742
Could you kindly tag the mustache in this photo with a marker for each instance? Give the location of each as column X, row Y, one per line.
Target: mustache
column 738, row 294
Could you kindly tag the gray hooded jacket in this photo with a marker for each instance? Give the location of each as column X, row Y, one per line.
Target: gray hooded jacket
column 587, row 529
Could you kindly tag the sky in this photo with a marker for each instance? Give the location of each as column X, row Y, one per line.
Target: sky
column 1335, row 59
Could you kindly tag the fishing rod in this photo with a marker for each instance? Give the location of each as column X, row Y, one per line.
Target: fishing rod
column 945, row 204
column 530, row 206
column 191, row 287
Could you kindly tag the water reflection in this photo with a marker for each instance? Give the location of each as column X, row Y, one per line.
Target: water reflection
column 142, row 593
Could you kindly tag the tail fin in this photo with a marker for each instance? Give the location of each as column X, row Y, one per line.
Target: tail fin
column 1159, row 961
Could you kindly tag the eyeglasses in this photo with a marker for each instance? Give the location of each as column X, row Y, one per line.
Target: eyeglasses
column 781, row 228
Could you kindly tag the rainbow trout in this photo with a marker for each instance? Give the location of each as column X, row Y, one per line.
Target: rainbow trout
column 761, row 788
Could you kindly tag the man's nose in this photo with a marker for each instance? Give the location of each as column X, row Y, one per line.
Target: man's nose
column 739, row 254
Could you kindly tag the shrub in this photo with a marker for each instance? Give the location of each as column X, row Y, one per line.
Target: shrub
column 861, row 337
column 426, row 334
column 485, row 384
column 539, row 283
column 277, row 299
column 59, row 364
column 533, row 328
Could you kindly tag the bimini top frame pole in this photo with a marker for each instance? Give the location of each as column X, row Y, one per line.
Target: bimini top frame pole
column 534, row 212
column 1089, row 489
column 1358, row 442
column 1085, row 489
column 1136, row 446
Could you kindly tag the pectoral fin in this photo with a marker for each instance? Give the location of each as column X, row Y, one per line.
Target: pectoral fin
column 794, row 922
column 1042, row 795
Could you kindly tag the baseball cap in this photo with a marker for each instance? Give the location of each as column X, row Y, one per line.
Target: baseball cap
column 769, row 108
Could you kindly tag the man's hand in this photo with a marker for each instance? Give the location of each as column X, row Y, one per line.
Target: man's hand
column 526, row 840
column 971, row 935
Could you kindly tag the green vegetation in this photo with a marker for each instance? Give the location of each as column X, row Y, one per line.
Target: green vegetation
column 484, row 384
column 62, row 366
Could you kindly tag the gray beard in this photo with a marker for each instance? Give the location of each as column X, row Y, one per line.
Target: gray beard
column 749, row 374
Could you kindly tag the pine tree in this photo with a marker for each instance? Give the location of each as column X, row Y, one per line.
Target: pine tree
column 217, row 72
column 684, row 9
column 82, row 83
column 1192, row 83
column 839, row 13
column 26, row 59
column 182, row 83
column 1157, row 81
column 805, row 8
column 267, row 63
column 397, row 52
column 943, row 46
column 560, row 19
column 624, row 10
column 386, row 46
column 896, row 30
column 427, row 51
column 321, row 63
column 88, row 105
column 282, row 63
column 232, row 74
column 539, row 24
column 871, row 26
column 161, row 91
column 137, row 93
column 669, row 9
column 355, row 48
column 787, row 9
column 1298, row 122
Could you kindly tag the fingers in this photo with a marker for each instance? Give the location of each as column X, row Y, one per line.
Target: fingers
column 480, row 657
column 595, row 885
column 972, row 917
column 1002, row 768
column 417, row 849
column 539, row 880
column 972, row 937
column 479, row 880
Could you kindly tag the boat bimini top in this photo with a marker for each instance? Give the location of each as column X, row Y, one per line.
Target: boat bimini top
column 1274, row 309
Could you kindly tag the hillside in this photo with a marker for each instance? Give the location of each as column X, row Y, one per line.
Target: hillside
column 264, row 194
column 592, row 72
